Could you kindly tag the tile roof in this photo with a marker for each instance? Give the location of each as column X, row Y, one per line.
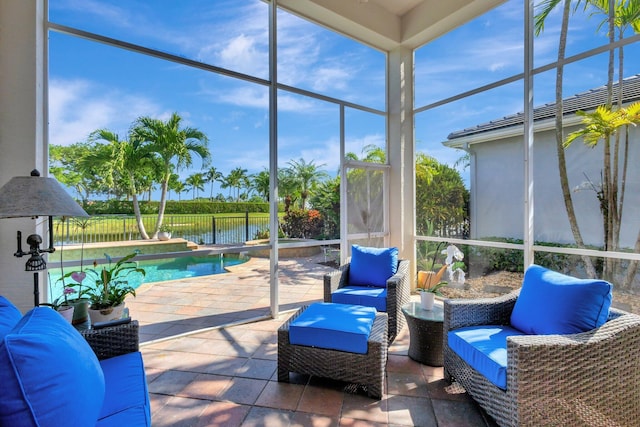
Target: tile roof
column 585, row 101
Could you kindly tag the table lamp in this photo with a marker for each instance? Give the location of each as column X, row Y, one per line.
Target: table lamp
column 34, row 196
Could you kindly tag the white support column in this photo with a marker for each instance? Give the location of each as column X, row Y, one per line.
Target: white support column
column 401, row 156
column 22, row 129
column 274, row 287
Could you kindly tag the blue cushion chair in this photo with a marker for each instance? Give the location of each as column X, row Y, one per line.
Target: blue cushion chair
column 373, row 277
column 51, row 377
column 551, row 353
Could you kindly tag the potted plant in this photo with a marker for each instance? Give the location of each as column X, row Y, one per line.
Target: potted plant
column 79, row 303
column 164, row 233
column 62, row 305
column 111, row 287
column 430, row 282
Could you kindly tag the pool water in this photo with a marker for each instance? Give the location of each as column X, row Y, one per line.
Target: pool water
column 159, row 270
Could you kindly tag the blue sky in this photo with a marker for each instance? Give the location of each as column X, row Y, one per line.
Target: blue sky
column 94, row 86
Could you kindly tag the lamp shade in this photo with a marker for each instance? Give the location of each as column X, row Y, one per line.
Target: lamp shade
column 29, row 196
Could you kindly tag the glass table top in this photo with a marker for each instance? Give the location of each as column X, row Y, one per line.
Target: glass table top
column 414, row 309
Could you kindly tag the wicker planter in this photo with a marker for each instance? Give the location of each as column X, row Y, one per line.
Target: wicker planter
column 106, row 314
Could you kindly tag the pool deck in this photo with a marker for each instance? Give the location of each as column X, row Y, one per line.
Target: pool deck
column 209, row 364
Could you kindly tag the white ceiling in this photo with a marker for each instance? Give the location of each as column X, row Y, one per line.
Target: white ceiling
column 389, row 24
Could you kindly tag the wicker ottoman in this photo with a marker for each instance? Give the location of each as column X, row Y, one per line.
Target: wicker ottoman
column 364, row 369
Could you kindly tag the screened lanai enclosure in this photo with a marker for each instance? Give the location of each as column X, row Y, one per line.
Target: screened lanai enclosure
column 420, row 124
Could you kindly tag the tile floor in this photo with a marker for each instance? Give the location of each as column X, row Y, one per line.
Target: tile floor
column 208, row 364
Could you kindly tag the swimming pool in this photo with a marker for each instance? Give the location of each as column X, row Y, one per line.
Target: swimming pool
column 162, row 269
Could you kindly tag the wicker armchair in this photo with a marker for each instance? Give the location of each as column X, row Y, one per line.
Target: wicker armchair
column 397, row 293
column 586, row 379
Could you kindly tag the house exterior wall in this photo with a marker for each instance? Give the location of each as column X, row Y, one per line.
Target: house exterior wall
column 497, row 187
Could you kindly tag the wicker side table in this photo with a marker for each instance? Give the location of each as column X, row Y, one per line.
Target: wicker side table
column 113, row 340
column 425, row 333
column 366, row 369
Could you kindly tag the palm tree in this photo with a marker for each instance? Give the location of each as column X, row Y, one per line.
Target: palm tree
column 121, row 162
column 212, row 176
column 195, row 183
column 175, row 146
column 546, row 7
column 260, row 184
column 621, row 15
column 306, row 175
column 174, row 179
column 236, row 180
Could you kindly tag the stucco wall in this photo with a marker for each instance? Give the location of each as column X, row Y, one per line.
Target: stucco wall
column 497, row 181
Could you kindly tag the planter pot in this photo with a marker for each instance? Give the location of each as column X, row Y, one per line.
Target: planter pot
column 80, row 310
column 164, row 235
column 426, row 300
column 66, row 311
column 106, row 314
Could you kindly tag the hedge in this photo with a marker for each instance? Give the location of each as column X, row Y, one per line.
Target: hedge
column 189, row 207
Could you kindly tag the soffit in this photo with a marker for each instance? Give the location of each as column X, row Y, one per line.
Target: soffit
column 389, row 24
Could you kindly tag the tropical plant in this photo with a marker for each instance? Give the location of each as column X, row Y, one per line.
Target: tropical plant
column 302, row 223
column 212, row 175
column 431, row 280
column 260, row 183
column 236, row 180
column 120, row 162
column 196, row 183
column 623, row 15
column 545, row 8
column 174, row 147
column 111, row 283
column 326, row 199
column 306, row 176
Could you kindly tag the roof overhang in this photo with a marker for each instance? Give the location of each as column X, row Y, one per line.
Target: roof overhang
column 390, row 24
column 465, row 142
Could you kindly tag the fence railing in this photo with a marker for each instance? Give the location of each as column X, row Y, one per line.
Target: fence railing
column 202, row 229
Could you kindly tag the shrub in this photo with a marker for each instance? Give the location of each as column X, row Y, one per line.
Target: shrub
column 301, row 223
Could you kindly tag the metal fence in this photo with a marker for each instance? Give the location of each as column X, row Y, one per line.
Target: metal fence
column 202, row 229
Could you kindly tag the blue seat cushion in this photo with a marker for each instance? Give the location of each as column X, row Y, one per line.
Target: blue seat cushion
column 369, row 296
column 484, row 348
column 333, row 326
column 554, row 303
column 48, row 373
column 126, row 400
column 372, row 266
column 9, row 316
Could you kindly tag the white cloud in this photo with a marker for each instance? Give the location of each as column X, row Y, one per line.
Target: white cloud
column 78, row 107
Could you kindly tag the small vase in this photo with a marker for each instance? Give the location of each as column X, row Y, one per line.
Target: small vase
column 106, row 314
column 66, row 311
column 164, row 235
column 80, row 313
column 426, row 300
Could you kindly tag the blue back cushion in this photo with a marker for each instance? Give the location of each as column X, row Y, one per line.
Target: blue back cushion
column 372, row 266
column 333, row 326
column 49, row 374
column 9, row 316
column 554, row 303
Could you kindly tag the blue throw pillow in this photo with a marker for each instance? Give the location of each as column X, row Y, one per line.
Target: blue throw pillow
column 554, row 303
column 372, row 266
column 49, row 374
column 9, row 316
